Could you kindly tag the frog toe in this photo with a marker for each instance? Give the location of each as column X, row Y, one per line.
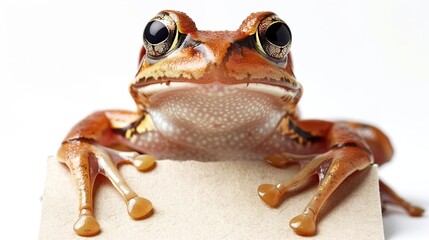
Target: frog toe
column 144, row 163
column 389, row 196
column 303, row 225
column 415, row 211
column 270, row 194
column 139, row 208
column 277, row 160
column 86, row 226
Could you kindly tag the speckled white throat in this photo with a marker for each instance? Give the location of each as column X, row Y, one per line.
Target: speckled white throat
column 216, row 116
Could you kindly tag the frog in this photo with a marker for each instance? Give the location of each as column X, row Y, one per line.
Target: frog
column 218, row 95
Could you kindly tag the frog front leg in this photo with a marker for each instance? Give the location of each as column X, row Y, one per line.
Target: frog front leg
column 85, row 151
column 346, row 153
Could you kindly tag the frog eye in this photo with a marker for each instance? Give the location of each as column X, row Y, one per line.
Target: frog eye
column 160, row 35
column 273, row 38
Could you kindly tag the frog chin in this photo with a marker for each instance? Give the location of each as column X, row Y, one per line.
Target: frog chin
column 216, row 114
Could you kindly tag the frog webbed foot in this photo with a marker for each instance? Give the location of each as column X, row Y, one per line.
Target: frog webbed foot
column 86, row 160
column 333, row 168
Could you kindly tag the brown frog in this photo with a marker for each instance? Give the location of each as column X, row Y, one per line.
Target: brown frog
column 216, row 95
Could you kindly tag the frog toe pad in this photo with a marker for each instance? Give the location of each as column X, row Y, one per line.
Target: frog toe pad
column 86, row 226
column 270, row 194
column 144, row 163
column 303, row 225
column 139, row 208
column 415, row 211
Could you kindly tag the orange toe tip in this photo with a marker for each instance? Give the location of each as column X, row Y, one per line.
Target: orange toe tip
column 303, row 225
column 86, row 226
column 139, row 208
column 270, row 194
column 416, row 211
column 145, row 163
column 276, row 160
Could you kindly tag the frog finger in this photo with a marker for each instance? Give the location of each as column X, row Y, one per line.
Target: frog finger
column 82, row 161
column 138, row 207
column 86, row 225
column 273, row 194
column 143, row 162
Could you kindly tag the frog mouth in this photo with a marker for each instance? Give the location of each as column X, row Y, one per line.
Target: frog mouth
column 221, row 89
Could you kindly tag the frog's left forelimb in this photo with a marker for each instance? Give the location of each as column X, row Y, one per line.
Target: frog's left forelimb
column 353, row 147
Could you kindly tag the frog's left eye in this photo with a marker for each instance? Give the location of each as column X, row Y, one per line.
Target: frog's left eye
column 160, row 36
column 273, row 38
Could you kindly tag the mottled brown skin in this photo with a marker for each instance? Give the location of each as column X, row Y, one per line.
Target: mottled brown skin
column 337, row 148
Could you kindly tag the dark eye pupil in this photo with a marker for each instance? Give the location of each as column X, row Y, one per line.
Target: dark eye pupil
column 155, row 32
column 278, row 34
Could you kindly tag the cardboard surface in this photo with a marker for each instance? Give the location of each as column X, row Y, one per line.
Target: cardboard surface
column 211, row 200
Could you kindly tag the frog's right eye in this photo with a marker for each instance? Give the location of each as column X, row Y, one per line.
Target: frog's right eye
column 160, row 36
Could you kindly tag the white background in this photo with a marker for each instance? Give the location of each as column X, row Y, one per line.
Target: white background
column 61, row 60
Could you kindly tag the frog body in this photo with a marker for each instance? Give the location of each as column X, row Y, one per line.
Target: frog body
column 219, row 95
